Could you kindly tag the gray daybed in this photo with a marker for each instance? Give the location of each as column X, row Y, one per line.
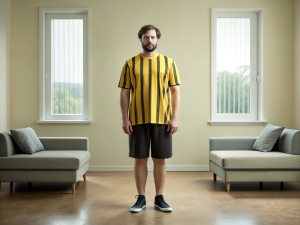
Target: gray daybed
column 233, row 160
column 63, row 160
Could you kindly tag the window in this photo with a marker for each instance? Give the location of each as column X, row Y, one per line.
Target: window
column 236, row 73
column 64, row 65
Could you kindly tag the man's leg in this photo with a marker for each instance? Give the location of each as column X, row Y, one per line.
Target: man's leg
column 161, row 149
column 139, row 144
column 159, row 173
column 140, row 174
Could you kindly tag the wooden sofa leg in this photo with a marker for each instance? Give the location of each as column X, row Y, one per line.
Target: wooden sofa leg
column 228, row 186
column 0, row 186
column 84, row 177
column 281, row 185
column 260, row 185
column 11, row 186
column 73, row 188
column 215, row 177
column 29, row 185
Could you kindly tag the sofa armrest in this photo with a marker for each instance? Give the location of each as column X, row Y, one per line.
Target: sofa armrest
column 7, row 145
column 65, row 143
column 231, row 143
column 289, row 142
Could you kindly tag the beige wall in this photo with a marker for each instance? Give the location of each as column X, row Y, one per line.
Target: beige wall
column 185, row 27
column 297, row 64
column 4, row 64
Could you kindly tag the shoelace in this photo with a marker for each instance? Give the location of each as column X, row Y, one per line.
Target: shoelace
column 160, row 199
column 139, row 198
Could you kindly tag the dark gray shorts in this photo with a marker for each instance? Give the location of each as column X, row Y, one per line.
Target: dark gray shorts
column 157, row 135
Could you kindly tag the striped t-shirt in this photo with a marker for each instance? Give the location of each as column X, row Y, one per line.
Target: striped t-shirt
column 149, row 79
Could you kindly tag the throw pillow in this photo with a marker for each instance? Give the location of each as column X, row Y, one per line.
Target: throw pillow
column 267, row 138
column 27, row 140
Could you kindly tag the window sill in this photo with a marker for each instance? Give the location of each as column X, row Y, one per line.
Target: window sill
column 64, row 121
column 237, row 123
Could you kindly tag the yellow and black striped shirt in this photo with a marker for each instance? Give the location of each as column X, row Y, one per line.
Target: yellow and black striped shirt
column 149, row 79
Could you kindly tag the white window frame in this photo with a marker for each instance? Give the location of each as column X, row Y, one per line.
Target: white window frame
column 45, row 16
column 256, row 105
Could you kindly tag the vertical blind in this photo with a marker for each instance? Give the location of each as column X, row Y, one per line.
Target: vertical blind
column 233, row 66
column 67, row 66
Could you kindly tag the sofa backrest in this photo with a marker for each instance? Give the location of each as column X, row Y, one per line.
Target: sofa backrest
column 288, row 142
column 7, row 145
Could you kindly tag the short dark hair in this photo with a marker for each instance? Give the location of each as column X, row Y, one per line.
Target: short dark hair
column 145, row 28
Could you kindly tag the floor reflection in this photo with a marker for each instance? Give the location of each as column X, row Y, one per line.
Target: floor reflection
column 235, row 219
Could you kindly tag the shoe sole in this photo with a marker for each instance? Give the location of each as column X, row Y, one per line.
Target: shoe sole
column 164, row 209
column 137, row 210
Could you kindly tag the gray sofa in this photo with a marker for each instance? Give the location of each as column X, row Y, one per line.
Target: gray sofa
column 233, row 160
column 63, row 160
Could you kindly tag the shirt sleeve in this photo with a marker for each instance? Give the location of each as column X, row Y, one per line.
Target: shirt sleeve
column 125, row 77
column 174, row 78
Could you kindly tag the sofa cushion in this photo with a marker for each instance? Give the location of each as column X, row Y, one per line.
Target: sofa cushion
column 27, row 140
column 267, row 138
column 55, row 159
column 7, row 146
column 249, row 159
column 289, row 142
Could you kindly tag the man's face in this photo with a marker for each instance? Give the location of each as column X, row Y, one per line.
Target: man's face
column 149, row 41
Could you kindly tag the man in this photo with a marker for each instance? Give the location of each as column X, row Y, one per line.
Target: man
column 153, row 118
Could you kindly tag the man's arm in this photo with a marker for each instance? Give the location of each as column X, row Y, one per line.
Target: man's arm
column 175, row 98
column 124, row 102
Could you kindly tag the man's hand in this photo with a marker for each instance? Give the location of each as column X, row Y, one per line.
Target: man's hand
column 175, row 98
column 124, row 102
column 172, row 127
column 127, row 127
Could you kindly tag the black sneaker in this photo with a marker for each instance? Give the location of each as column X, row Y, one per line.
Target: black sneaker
column 140, row 204
column 161, row 204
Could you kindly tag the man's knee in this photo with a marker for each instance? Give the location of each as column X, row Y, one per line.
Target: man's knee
column 141, row 160
column 159, row 161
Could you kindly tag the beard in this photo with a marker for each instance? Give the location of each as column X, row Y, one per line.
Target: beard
column 145, row 47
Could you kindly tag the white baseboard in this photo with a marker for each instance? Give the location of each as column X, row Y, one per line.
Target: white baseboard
column 187, row 168
column 179, row 168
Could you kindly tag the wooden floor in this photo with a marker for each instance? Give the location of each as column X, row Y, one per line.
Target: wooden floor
column 106, row 197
